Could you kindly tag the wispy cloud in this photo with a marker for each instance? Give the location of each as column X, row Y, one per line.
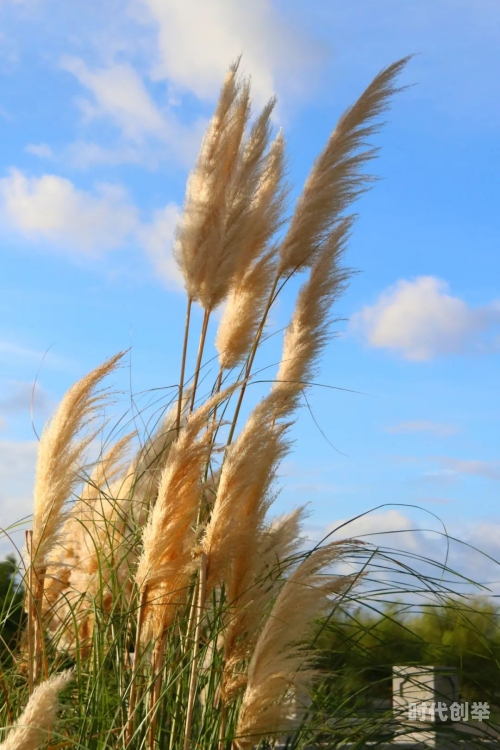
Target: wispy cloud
column 425, row 545
column 421, row 321
column 156, row 238
column 484, row 469
column 450, row 471
column 442, row 478
column 117, row 94
column 423, row 425
column 196, row 42
column 52, row 210
column 42, row 150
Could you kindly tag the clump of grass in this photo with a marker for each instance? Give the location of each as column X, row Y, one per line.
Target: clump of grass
column 184, row 606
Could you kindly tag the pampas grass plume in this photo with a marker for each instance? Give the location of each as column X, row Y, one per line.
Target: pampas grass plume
column 243, row 311
column 199, row 237
column 60, row 455
column 243, row 498
column 169, row 535
column 308, row 331
column 256, row 211
column 336, row 179
column 69, row 553
column 273, row 554
column 281, row 665
column 30, row 730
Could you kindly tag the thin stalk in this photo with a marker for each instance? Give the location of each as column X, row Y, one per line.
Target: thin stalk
column 222, row 729
column 201, row 346
column 175, row 718
column 29, row 547
column 202, row 586
column 251, row 358
column 184, row 641
column 37, row 624
column 133, row 688
column 183, row 363
column 155, row 690
column 157, row 671
column 218, row 386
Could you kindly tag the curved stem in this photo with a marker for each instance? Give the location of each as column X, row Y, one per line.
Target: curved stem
column 183, row 363
column 251, row 358
column 201, row 346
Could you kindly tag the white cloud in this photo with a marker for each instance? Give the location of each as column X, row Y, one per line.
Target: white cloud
column 42, row 150
column 197, row 41
column 457, row 466
column 52, row 208
column 150, row 134
column 156, row 239
column 377, row 528
column 421, row 321
column 424, row 425
column 118, row 93
column 425, row 546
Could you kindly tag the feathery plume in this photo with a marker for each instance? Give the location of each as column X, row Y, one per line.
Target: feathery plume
column 266, row 214
column 67, row 555
column 99, row 545
column 199, row 237
column 169, row 535
column 150, row 461
column 107, row 469
column 243, row 497
column 30, row 730
column 256, row 212
column 237, row 525
column 308, row 331
column 281, row 665
column 60, row 456
column 248, row 173
column 244, row 310
column 273, row 554
column 336, row 179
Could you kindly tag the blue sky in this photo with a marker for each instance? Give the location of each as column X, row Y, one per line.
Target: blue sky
column 102, row 109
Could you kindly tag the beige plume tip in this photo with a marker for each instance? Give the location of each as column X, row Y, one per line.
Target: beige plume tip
column 60, row 455
column 30, row 730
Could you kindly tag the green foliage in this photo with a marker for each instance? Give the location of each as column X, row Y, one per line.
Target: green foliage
column 359, row 649
column 11, row 607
